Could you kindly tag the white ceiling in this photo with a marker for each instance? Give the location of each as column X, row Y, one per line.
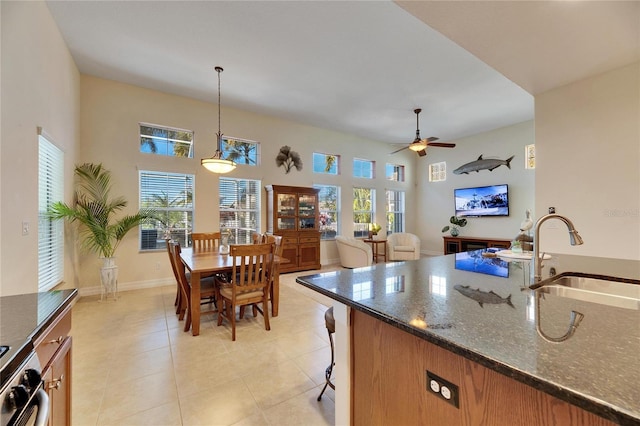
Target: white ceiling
column 359, row 67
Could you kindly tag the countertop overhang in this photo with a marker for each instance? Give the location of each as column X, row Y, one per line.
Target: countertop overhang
column 22, row 318
column 482, row 309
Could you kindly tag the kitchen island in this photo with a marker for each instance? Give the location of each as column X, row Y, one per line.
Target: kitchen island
column 470, row 321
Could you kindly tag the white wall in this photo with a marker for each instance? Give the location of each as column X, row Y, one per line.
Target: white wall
column 110, row 115
column 435, row 199
column 588, row 163
column 40, row 87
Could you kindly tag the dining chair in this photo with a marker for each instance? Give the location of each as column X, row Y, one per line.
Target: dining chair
column 205, row 240
column 178, row 302
column 274, row 273
column 208, row 290
column 249, row 284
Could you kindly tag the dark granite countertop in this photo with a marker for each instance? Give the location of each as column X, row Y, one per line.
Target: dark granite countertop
column 482, row 309
column 22, row 318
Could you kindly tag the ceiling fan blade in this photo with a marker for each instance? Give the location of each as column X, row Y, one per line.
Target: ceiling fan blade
column 432, row 139
column 398, row 150
column 442, row 144
column 422, row 153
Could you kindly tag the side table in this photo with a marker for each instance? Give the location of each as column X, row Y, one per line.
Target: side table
column 376, row 251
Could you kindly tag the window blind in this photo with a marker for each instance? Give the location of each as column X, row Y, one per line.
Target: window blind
column 50, row 232
column 171, row 195
column 240, row 208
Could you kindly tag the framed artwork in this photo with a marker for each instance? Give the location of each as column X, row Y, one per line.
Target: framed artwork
column 530, row 156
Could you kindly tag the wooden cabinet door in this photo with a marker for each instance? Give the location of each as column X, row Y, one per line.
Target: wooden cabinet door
column 57, row 383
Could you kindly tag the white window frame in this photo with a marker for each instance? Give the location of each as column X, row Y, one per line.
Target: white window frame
column 335, row 167
column 232, row 154
column 397, row 174
column 50, row 232
column 331, row 227
column 238, row 209
column 175, row 212
column 395, row 208
column 363, row 217
column 359, row 166
column 162, row 144
column 438, row 172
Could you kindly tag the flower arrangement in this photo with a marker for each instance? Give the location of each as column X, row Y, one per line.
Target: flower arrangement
column 374, row 228
column 455, row 223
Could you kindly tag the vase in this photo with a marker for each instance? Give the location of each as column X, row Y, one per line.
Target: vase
column 224, row 243
column 454, row 232
column 109, row 278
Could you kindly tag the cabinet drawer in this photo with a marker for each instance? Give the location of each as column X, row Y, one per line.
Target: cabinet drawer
column 52, row 338
column 289, row 240
column 309, row 239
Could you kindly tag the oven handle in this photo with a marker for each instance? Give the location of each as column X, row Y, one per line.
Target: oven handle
column 43, row 408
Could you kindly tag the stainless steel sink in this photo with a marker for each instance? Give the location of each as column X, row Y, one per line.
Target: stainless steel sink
column 593, row 288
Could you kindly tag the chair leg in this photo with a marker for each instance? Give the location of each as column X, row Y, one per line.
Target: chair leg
column 265, row 312
column 232, row 314
column 220, row 310
column 329, row 370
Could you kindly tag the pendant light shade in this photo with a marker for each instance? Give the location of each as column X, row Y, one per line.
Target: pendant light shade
column 217, row 164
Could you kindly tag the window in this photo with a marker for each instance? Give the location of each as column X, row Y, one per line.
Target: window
column 394, row 172
column 241, row 151
column 326, row 163
column 328, row 199
column 240, row 208
column 395, row 211
column 363, row 168
column 50, row 232
column 438, row 172
column 166, row 141
column 363, row 212
column 171, row 195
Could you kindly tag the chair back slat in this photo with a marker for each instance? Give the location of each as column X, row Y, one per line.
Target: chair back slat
column 251, row 266
column 205, row 240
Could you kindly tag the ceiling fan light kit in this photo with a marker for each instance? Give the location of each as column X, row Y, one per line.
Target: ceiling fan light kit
column 419, row 145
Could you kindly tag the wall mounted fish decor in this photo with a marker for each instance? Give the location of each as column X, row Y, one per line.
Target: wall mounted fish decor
column 482, row 164
column 483, row 297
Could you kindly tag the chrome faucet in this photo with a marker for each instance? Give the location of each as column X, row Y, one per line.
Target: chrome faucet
column 574, row 239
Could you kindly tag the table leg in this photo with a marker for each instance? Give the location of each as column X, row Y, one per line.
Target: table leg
column 195, row 303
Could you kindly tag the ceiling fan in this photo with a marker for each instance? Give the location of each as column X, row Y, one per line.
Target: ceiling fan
column 420, row 145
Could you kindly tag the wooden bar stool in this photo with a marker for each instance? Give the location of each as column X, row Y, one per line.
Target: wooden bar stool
column 330, row 322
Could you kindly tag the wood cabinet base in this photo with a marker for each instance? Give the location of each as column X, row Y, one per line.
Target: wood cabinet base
column 390, row 386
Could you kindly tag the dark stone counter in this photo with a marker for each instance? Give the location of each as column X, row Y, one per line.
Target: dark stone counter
column 482, row 309
column 22, row 318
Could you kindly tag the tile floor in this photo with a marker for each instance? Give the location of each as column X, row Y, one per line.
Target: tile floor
column 133, row 364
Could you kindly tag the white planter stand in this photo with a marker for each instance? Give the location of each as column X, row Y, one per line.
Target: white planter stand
column 109, row 279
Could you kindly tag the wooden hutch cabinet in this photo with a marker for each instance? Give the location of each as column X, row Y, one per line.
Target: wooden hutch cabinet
column 292, row 212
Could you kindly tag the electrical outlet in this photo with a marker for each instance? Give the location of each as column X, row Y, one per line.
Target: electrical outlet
column 25, row 228
column 157, row 266
column 443, row 389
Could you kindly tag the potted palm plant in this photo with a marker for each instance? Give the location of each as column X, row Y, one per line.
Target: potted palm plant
column 93, row 210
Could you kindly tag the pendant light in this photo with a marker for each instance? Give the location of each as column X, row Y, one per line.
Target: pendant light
column 217, row 164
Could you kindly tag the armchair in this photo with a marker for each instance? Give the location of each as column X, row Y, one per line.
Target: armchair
column 403, row 246
column 353, row 253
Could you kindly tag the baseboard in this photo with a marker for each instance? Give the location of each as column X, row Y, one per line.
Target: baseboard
column 133, row 285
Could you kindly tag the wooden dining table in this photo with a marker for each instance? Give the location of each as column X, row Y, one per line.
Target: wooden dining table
column 210, row 261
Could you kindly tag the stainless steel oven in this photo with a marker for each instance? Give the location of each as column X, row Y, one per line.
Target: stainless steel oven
column 23, row 398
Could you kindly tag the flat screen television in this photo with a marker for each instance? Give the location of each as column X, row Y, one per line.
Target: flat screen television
column 481, row 201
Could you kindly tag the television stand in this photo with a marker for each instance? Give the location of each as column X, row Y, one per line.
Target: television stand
column 462, row 244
